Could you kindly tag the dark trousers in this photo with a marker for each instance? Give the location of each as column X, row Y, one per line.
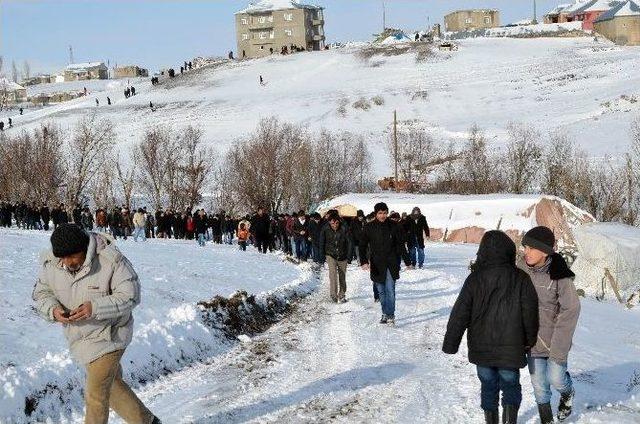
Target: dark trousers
column 262, row 243
column 495, row 380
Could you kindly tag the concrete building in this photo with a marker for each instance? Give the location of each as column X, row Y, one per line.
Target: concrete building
column 130, row 71
column 556, row 15
column 273, row 26
column 86, row 71
column 590, row 11
column 38, row 79
column 464, row 20
column 621, row 24
column 11, row 93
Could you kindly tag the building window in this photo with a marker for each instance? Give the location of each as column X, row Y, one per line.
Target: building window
column 272, row 35
column 468, row 21
column 487, row 19
column 263, row 35
column 244, row 21
column 245, row 36
column 270, row 18
column 262, row 19
column 288, row 16
column 288, row 32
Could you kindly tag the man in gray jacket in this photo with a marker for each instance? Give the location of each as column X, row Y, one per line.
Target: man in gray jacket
column 86, row 284
column 559, row 307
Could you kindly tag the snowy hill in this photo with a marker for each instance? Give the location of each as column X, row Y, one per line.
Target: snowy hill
column 589, row 88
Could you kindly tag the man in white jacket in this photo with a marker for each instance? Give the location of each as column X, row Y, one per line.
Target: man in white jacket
column 86, row 284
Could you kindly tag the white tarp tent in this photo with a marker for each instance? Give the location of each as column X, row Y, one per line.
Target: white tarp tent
column 608, row 262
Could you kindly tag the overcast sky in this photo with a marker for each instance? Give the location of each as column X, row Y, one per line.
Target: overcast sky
column 157, row 33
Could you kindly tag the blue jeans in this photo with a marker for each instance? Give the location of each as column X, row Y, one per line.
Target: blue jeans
column 301, row 249
column 546, row 373
column 201, row 239
column 416, row 250
column 138, row 232
column 387, row 292
column 493, row 380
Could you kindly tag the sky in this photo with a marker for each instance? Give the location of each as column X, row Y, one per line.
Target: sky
column 160, row 33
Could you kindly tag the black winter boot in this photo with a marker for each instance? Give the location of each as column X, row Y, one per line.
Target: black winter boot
column 546, row 414
column 491, row 417
column 509, row 414
column 566, row 403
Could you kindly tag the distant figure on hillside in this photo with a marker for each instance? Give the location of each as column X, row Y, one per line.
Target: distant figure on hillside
column 21, row 111
column 190, row 65
column 10, row 123
column 244, row 54
column 417, row 36
column 1, row 125
column 133, row 90
column 97, row 102
column 151, row 107
column 230, row 54
column 108, row 100
column 181, row 70
column 271, row 50
column 85, row 91
column 261, row 80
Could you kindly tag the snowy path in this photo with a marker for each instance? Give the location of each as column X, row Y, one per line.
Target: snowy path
column 335, row 363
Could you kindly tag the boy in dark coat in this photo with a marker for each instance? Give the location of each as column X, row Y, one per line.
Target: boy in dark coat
column 498, row 307
column 386, row 243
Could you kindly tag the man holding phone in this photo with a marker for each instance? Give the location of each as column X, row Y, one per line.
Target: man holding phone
column 88, row 286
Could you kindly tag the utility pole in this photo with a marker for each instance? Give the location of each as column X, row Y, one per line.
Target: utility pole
column 384, row 17
column 535, row 12
column 395, row 148
column 71, row 55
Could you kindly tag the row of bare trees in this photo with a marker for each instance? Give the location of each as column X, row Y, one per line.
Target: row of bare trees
column 278, row 166
column 530, row 162
column 282, row 166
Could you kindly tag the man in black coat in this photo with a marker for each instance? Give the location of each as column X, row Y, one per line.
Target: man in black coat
column 260, row 230
column 46, row 216
column 386, row 243
column 335, row 244
column 417, row 229
column 356, row 226
column 498, row 307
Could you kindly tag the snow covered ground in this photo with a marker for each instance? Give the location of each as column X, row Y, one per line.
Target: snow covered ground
column 577, row 84
column 335, row 363
column 325, row 362
column 169, row 332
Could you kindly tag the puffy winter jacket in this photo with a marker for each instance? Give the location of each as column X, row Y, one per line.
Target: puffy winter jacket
column 108, row 281
column 497, row 306
column 139, row 220
column 559, row 307
column 387, row 247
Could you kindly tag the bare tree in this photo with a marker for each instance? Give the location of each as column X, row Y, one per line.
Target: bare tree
column 1, row 66
column 26, row 70
column 126, row 177
column 101, row 187
column 261, row 167
column 523, row 157
column 14, row 71
column 153, row 154
column 478, row 170
column 195, row 165
column 32, row 166
column 88, row 150
column 558, row 158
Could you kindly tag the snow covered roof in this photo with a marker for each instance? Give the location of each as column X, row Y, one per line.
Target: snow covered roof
column 595, row 6
column 271, row 5
column 627, row 8
column 10, row 85
column 575, row 6
column 558, row 9
column 77, row 66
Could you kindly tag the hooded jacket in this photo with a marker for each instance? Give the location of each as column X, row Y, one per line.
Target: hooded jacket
column 497, row 306
column 108, row 281
column 559, row 307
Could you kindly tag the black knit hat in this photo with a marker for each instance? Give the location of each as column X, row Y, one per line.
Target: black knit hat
column 380, row 207
column 540, row 238
column 68, row 239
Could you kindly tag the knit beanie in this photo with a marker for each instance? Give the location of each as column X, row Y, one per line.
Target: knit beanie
column 540, row 238
column 380, row 207
column 68, row 239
